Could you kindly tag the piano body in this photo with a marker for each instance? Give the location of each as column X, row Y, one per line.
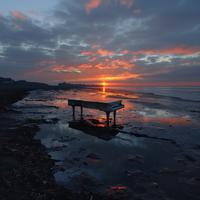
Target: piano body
column 106, row 107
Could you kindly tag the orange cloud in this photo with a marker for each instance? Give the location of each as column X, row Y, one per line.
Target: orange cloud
column 110, row 69
column 84, row 66
column 99, row 52
column 92, row 4
column 179, row 50
column 175, row 51
column 121, row 77
column 107, row 77
column 113, row 64
column 121, row 64
column 93, row 59
column 87, row 53
column 106, row 64
column 18, row 15
column 104, row 52
column 124, row 51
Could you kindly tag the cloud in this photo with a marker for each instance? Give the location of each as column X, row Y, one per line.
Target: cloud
column 114, row 64
column 64, row 69
column 98, row 52
column 92, row 4
column 18, row 15
column 104, row 52
column 77, row 40
column 128, row 3
column 108, row 77
column 122, row 77
column 179, row 50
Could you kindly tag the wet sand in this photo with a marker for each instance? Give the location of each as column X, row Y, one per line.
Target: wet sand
column 154, row 156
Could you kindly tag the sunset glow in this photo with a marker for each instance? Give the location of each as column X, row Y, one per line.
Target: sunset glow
column 104, row 84
column 121, row 47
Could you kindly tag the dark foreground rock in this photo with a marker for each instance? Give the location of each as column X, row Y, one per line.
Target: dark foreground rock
column 9, row 96
column 26, row 169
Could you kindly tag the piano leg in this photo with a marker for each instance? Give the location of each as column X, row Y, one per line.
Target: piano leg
column 73, row 108
column 107, row 118
column 81, row 112
column 114, row 117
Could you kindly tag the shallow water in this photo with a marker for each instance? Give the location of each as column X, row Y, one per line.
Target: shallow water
column 187, row 93
column 142, row 165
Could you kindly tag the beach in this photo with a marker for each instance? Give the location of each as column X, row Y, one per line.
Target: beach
column 155, row 154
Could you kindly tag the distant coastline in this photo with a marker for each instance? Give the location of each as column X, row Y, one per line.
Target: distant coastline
column 12, row 91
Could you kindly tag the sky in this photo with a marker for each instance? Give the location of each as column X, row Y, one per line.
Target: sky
column 127, row 42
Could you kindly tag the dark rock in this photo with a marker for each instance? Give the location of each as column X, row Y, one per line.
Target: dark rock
column 190, row 158
column 93, row 156
column 136, row 158
column 197, row 147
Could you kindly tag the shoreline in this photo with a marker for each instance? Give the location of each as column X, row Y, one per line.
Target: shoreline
column 25, row 166
column 26, row 169
column 10, row 96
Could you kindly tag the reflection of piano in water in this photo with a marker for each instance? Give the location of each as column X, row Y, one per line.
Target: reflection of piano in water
column 95, row 128
column 92, row 126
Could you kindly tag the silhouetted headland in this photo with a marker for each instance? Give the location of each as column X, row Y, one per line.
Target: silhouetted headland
column 12, row 91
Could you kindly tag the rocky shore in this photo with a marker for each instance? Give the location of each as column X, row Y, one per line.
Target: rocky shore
column 9, row 96
column 26, row 169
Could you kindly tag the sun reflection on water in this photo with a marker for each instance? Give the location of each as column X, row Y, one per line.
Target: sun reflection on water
column 137, row 108
column 104, row 84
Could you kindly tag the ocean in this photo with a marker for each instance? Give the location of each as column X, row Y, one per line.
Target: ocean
column 187, row 93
